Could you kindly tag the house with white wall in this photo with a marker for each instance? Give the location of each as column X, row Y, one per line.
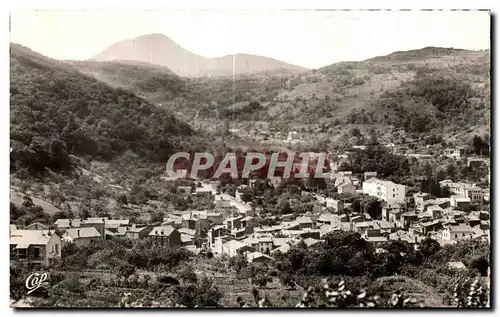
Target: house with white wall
column 37, row 248
column 385, row 190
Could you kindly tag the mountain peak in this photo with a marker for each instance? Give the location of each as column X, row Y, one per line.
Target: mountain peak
column 153, row 36
column 159, row 49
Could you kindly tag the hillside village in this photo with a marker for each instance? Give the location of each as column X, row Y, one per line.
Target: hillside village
column 234, row 227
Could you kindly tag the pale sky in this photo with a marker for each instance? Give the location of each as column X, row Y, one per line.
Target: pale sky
column 310, row 39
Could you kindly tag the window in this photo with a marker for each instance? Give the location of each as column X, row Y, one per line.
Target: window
column 456, row 235
column 57, row 248
column 36, row 253
column 22, row 253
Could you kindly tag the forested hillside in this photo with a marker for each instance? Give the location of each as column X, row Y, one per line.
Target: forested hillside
column 414, row 91
column 192, row 98
column 56, row 110
column 155, row 82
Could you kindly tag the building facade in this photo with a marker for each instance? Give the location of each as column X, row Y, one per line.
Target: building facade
column 385, row 190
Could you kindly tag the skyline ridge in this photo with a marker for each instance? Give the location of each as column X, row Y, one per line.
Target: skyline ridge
column 91, row 58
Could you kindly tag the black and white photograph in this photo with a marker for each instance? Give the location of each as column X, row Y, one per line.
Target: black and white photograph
column 269, row 158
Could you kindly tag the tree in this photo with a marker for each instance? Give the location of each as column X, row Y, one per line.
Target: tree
column 15, row 212
column 431, row 186
column 238, row 262
column 262, row 280
column 56, row 198
column 373, row 138
column 355, row 132
column 477, row 144
column 481, row 264
column 27, row 202
column 287, row 280
column 23, row 174
column 122, row 200
column 188, row 275
column 372, row 206
column 446, row 192
column 284, row 207
column 58, row 154
column 428, row 247
column 246, row 197
column 125, row 270
column 24, row 187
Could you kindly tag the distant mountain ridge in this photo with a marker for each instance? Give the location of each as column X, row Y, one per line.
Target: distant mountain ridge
column 161, row 50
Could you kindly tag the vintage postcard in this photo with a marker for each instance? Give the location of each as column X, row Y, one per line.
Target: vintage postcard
column 270, row 158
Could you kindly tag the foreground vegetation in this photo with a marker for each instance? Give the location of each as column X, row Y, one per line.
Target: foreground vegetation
column 138, row 273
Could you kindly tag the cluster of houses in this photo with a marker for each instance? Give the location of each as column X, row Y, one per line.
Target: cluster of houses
column 233, row 227
column 447, row 220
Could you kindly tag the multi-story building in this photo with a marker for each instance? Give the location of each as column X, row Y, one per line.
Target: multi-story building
column 215, row 232
column 346, row 188
column 455, row 152
column 337, row 205
column 456, row 233
column 262, row 244
column 138, row 232
column 166, row 236
column 385, row 190
column 472, row 191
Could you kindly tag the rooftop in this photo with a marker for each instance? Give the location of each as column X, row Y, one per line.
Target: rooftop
column 460, row 228
column 65, row 223
column 304, row 220
column 255, row 255
column 187, row 231
column 162, row 231
column 234, row 245
column 25, row 238
column 84, row 232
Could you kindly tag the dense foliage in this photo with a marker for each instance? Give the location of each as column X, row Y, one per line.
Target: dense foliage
column 56, row 111
column 122, row 254
column 426, row 103
column 347, row 255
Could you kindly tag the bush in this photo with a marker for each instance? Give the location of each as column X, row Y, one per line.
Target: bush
column 187, row 275
column 167, row 279
column 262, row 280
column 204, row 294
column 338, row 295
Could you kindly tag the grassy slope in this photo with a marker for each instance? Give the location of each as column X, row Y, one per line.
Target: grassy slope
column 16, row 197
